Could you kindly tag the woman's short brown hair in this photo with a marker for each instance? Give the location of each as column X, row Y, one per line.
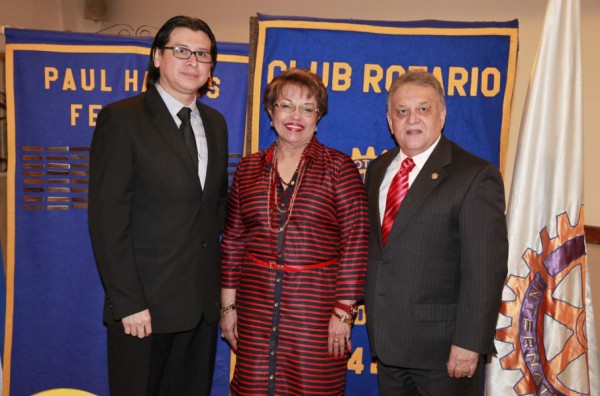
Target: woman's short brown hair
column 301, row 78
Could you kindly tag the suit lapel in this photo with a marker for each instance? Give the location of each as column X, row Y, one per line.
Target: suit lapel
column 426, row 182
column 163, row 121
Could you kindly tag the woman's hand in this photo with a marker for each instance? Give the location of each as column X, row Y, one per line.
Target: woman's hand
column 229, row 330
column 339, row 337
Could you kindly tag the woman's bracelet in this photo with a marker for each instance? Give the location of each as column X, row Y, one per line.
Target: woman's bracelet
column 350, row 310
column 345, row 318
column 227, row 308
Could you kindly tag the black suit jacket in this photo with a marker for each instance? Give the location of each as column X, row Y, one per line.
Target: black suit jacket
column 154, row 229
column 438, row 280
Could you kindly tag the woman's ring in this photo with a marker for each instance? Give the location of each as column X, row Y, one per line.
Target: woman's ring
column 336, row 340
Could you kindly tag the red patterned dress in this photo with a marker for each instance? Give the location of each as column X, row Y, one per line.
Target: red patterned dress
column 320, row 256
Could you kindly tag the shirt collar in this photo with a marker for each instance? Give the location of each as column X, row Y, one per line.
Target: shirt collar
column 172, row 103
column 421, row 158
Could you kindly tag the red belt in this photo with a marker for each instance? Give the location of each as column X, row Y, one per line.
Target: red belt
column 286, row 267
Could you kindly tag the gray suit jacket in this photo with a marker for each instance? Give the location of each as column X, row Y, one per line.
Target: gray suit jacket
column 438, row 280
column 154, row 229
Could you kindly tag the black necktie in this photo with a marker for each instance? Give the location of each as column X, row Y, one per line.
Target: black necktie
column 188, row 133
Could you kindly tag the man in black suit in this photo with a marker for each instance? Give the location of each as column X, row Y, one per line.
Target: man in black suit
column 156, row 208
column 434, row 286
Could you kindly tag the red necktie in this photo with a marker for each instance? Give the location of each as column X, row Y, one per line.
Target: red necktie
column 396, row 193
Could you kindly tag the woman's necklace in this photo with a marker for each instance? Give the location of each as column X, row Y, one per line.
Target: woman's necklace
column 286, row 184
column 273, row 175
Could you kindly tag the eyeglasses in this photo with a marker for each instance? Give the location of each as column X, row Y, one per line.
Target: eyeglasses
column 185, row 53
column 306, row 110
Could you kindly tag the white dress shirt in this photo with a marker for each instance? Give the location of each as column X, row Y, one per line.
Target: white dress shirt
column 394, row 167
column 174, row 106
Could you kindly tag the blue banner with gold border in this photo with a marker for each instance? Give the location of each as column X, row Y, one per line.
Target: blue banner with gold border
column 56, row 85
column 358, row 60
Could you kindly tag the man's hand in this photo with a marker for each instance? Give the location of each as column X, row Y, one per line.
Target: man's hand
column 139, row 324
column 462, row 362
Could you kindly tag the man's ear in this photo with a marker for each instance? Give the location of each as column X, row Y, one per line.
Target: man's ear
column 155, row 58
column 443, row 118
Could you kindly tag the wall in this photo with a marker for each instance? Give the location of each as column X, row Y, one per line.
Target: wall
column 229, row 20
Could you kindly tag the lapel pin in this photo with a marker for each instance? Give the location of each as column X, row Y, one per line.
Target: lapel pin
column 434, row 176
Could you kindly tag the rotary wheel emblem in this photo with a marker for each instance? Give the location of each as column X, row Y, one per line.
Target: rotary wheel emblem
column 547, row 316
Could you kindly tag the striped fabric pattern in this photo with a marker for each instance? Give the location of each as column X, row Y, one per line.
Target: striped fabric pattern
column 283, row 317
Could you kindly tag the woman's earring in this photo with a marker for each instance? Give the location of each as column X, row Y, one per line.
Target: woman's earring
column 271, row 124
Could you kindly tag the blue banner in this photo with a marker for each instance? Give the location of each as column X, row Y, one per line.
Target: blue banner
column 56, row 85
column 358, row 60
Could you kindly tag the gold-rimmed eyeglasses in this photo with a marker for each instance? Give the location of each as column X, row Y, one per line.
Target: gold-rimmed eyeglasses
column 306, row 110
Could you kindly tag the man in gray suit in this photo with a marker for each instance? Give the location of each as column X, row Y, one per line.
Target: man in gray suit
column 158, row 186
column 438, row 265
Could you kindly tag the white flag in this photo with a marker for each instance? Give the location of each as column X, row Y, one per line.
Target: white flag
column 545, row 337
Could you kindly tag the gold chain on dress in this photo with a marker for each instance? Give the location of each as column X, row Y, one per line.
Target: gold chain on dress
column 300, row 171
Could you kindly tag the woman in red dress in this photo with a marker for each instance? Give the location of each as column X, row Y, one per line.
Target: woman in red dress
column 294, row 252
